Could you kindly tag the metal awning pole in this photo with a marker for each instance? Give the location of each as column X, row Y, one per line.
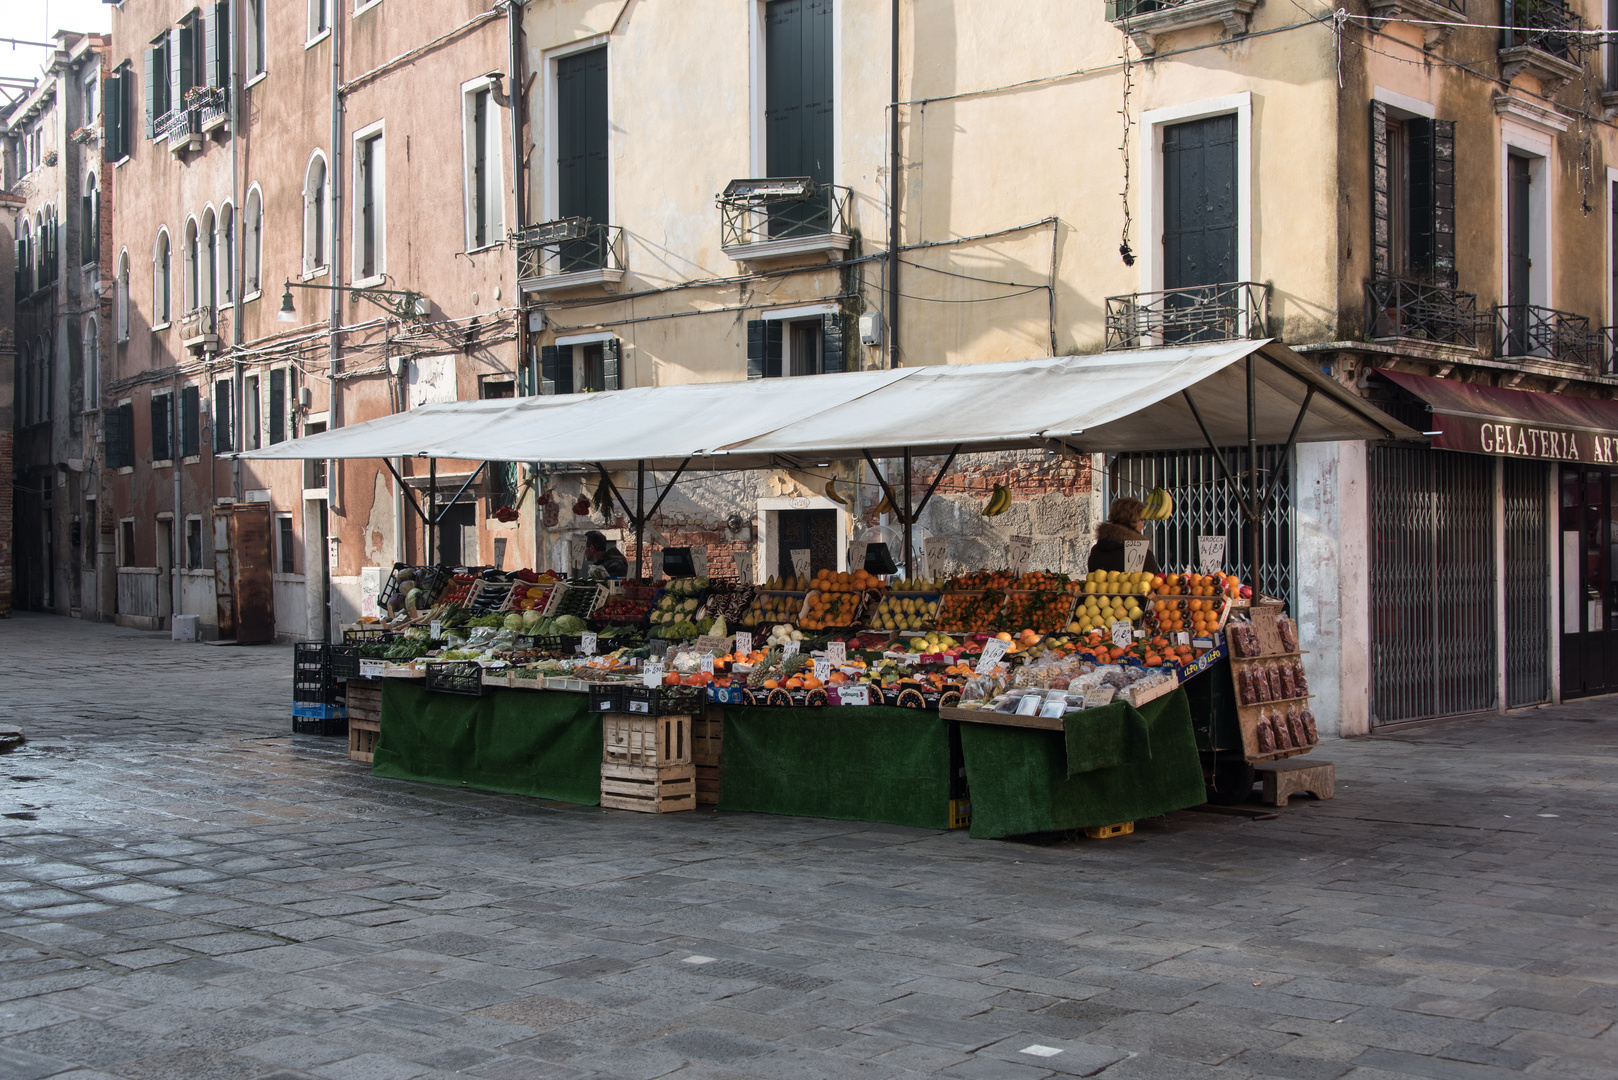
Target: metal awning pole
column 430, row 557
column 910, row 519
column 1255, row 514
column 640, row 516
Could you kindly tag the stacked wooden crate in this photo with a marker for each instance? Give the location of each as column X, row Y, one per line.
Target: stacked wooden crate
column 364, row 718
column 646, row 763
column 706, row 733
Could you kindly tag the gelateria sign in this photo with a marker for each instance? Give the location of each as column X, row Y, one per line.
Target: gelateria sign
column 1500, row 422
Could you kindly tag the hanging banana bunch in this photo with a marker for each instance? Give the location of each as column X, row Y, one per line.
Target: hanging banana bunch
column 1159, row 505
column 999, row 501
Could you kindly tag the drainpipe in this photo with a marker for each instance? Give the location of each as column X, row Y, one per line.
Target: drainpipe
column 177, row 530
column 238, row 278
column 520, row 197
column 893, row 192
column 334, row 413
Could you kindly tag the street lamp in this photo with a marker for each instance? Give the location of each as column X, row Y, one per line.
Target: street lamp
column 403, row 304
column 286, row 314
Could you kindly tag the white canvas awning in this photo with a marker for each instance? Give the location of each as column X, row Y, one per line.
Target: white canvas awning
column 1119, row 401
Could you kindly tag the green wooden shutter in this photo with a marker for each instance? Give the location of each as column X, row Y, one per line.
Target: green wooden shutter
column 833, row 343
column 190, row 422
column 763, row 348
column 216, row 44
column 221, row 417
column 556, row 369
column 278, row 405
column 87, row 229
column 162, row 446
column 112, row 116
column 798, row 106
column 525, row 375
column 151, row 92
column 581, row 153
column 182, row 63
column 611, row 367
column 1381, row 194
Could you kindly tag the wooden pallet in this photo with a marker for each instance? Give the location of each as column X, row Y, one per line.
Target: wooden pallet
column 362, row 739
column 649, row 789
column 705, row 751
column 627, row 739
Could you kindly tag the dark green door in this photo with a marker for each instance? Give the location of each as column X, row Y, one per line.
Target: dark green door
column 1519, row 263
column 798, row 106
column 581, row 153
column 1200, row 216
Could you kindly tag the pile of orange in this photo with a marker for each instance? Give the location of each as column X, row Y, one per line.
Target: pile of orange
column 845, row 581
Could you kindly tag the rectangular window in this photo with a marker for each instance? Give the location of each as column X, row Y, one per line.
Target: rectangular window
column 319, row 18
column 1200, row 214
column 485, row 204
column 222, row 434
column 1412, row 196
column 278, row 405
column 115, row 113
column 193, row 543
column 314, row 469
column 120, row 436
column 286, row 544
column 157, row 84
column 190, row 422
column 581, row 151
column 89, row 233
column 162, row 427
column 809, row 346
column 216, row 45
column 126, row 542
column 252, row 416
column 368, row 206
column 255, row 38
column 184, row 68
column 798, row 105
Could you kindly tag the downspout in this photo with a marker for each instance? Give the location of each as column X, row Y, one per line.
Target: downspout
column 238, row 249
column 893, row 191
column 520, row 200
column 334, row 414
column 177, row 527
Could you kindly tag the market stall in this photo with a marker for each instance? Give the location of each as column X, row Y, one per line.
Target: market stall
column 847, row 695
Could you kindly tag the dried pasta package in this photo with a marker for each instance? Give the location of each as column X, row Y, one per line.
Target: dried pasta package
column 1265, row 734
column 1309, row 728
column 1260, row 685
column 1295, row 727
column 1289, row 688
column 1283, row 735
column 1289, row 633
column 1300, row 678
column 1272, row 672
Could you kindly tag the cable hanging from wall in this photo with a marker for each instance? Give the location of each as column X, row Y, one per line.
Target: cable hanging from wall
column 1124, row 251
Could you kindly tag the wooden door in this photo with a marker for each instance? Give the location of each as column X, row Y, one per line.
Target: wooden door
column 255, row 566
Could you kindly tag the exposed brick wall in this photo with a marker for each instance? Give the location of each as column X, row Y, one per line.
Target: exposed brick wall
column 723, row 554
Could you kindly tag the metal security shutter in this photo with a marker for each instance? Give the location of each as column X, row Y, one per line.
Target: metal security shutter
column 1200, row 214
column 1432, row 584
column 1206, row 505
column 764, row 348
column 190, row 422
column 1527, row 584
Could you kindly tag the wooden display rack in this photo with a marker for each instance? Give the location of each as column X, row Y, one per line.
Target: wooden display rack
column 1264, row 619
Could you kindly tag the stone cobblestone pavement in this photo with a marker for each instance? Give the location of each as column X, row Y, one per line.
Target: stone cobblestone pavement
column 188, row 891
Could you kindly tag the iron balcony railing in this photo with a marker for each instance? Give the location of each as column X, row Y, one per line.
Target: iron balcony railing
column 761, row 217
column 1547, row 25
column 210, row 103
column 1608, row 344
column 178, row 124
column 1402, row 308
column 1229, row 311
column 568, row 246
column 1527, row 330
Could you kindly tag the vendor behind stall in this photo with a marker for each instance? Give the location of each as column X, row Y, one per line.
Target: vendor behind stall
column 604, row 556
column 1123, row 524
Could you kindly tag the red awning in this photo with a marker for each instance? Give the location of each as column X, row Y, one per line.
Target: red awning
column 1515, row 423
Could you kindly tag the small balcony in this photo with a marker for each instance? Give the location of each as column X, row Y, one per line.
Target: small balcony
column 1403, row 309
column 1437, row 18
column 1529, row 331
column 182, row 128
column 1145, row 21
column 1230, row 311
column 211, row 104
column 1542, row 38
column 1607, row 343
column 569, row 253
column 201, row 330
column 783, row 218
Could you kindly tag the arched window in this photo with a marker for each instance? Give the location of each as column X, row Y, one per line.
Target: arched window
column 253, row 243
column 90, row 223
column 25, row 257
column 314, row 214
column 225, row 244
column 92, row 364
column 191, row 259
column 161, row 306
column 121, row 312
column 209, row 271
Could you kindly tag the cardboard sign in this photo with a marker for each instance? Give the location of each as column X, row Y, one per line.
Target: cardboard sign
column 1211, row 553
column 435, row 630
column 1021, row 547
column 993, row 651
column 800, row 562
column 652, row 675
column 854, row 695
column 1135, row 556
column 1182, row 637
column 711, row 644
column 699, row 560
column 1123, row 634
column 744, row 641
column 744, row 569
column 705, row 665
column 822, row 669
column 856, row 554
column 1098, row 695
column 372, row 669
column 837, row 652
column 587, row 644
column 932, row 556
column 789, row 649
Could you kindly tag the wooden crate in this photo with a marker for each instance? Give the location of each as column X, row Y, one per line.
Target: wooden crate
column 706, row 734
column 628, row 739
column 365, row 700
column 648, row 789
column 362, row 737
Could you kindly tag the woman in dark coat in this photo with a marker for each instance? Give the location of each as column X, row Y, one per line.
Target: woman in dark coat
column 1123, row 523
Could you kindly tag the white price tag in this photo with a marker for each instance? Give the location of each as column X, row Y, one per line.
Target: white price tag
column 372, row 669
column 800, row 562
column 854, row 695
column 856, row 555
column 705, row 665
column 1135, row 556
column 837, row 652
column 587, row 644
column 789, row 649
column 744, row 642
column 699, row 560
column 744, row 569
column 993, row 651
column 1211, row 553
column 932, row 556
column 652, row 675
column 435, row 630
column 1021, row 547
column 1123, row 632
column 1182, row 637
column 822, row 669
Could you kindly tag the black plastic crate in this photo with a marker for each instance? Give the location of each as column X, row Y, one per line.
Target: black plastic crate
column 554, row 644
column 345, row 661
column 368, row 637
column 455, row 677
column 606, row 698
column 319, row 719
column 313, row 679
column 665, row 700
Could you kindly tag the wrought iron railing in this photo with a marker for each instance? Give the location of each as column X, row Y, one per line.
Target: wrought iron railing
column 1607, row 342
column 1229, row 311
column 178, row 124
column 210, row 103
column 1547, row 25
column 821, row 210
column 568, row 246
column 1402, row 308
column 1528, row 330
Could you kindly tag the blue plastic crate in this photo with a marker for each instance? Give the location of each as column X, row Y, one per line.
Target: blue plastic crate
column 313, row 719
